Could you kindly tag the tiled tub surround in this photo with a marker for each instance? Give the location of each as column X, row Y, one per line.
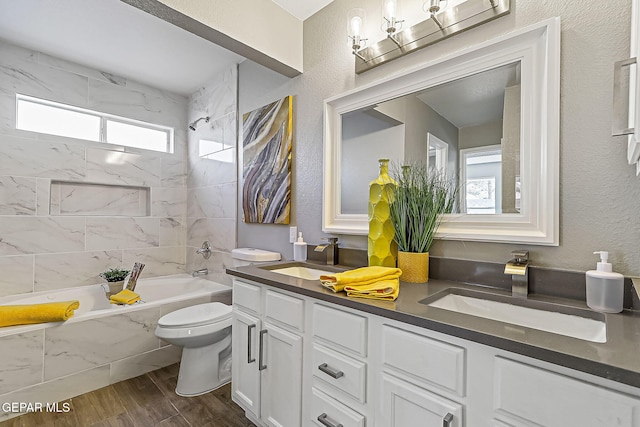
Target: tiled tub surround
column 70, row 208
column 212, row 180
column 101, row 345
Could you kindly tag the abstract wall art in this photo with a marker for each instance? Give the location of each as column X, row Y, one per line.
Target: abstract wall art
column 266, row 148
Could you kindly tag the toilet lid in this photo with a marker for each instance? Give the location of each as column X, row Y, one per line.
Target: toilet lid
column 196, row 315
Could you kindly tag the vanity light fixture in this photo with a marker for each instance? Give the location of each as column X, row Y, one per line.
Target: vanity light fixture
column 391, row 22
column 355, row 23
column 443, row 22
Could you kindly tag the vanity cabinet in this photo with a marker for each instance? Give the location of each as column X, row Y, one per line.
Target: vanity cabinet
column 267, row 354
column 338, row 367
column 417, row 372
column 526, row 395
column 325, row 365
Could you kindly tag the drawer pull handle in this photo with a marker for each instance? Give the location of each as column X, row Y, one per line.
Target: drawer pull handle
column 261, row 366
column 447, row 420
column 325, row 422
column 327, row 370
column 250, row 359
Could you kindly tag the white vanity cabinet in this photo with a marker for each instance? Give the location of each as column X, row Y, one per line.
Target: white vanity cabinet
column 338, row 367
column 422, row 379
column 267, row 354
column 325, row 365
column 449, row 381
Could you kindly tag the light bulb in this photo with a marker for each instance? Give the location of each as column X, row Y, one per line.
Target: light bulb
column 390, row 8
column 355, row 22
column 356, row 25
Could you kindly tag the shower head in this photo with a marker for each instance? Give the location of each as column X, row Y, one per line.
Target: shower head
column 194, row 124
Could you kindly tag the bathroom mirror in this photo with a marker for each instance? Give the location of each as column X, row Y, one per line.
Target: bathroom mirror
column 487, row 116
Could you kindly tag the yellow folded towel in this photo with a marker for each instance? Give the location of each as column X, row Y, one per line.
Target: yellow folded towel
column 359, row 277
column 383, row 290
column 125, row 296
column 12, row 315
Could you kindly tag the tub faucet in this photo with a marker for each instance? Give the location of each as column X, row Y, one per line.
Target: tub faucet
column 518, row 268
column 202, row 271
column 332, row 252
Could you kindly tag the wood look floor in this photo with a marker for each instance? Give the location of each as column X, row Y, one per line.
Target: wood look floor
column 147, row 400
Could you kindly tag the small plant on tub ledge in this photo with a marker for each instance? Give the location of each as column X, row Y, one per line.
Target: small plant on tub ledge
column 421, row 197
column 115, row 279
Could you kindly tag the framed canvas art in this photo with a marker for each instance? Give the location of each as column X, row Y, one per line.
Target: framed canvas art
column 267, row 139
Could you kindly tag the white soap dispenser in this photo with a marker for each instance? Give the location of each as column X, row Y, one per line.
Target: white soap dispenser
column 605, row 289
column 300, row 249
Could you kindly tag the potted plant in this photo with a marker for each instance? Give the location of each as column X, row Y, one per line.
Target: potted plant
column 421, row 198
column 115, row 279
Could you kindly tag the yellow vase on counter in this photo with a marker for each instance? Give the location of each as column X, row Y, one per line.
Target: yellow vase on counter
column 414, row 266
column 381, row 247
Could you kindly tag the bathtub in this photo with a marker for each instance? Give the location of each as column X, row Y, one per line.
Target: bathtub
column 94, row 303
column 100, row 345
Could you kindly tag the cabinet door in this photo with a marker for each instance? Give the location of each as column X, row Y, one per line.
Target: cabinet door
column 405, row 405
column 245, row 378
column 281, row 374
column 529, row 395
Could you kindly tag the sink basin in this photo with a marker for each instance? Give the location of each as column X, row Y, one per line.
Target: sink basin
column 302, row 272
column 558, row 319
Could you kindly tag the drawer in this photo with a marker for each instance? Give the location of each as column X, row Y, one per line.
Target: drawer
column 247, row 295
column 285, row 309
column 436, row 362
column 351, row 374
column 524, row 392
column 335, row 412
column 345, row 330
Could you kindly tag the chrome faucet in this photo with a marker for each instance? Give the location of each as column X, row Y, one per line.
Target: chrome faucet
column 203, row 271
column 518, row 268
column 332, row 252
column 205, row 250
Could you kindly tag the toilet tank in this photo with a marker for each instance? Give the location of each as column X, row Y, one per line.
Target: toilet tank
column 250, row 256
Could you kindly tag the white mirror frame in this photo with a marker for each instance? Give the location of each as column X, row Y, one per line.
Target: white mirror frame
column 538, row 49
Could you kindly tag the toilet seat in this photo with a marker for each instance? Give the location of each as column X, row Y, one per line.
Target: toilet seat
column 196, row 315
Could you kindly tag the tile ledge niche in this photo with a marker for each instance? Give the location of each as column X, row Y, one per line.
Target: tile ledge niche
column 72, row 198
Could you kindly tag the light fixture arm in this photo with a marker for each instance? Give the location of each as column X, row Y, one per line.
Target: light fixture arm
column 392, row 28
column 357, row 44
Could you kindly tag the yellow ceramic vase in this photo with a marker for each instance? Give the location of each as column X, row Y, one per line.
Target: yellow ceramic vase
column 414, row 266
column 382, row 249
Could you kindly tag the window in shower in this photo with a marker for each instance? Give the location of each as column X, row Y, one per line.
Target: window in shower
column 42, row 116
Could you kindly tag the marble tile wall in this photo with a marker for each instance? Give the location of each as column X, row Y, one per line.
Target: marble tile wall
column 212, row 181
column 65, row 237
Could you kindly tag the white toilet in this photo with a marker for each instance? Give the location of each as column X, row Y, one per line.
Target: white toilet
column 204, row 332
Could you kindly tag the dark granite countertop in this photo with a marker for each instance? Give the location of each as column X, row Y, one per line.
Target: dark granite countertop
column 618, row 359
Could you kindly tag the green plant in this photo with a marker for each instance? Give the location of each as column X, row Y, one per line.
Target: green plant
column 420, row 199
column 114, row 274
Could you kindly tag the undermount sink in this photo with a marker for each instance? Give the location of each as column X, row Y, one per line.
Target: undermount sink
column 302, row 272
column 558, row 319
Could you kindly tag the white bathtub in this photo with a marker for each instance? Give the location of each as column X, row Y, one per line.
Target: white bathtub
column 100, row 345
column 94, row 304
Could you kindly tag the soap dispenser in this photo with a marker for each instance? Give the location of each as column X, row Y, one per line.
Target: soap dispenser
column 300, row 249
column 605, row 289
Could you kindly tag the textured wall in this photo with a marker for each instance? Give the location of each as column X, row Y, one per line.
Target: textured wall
column 599, row 193
column 40, row 250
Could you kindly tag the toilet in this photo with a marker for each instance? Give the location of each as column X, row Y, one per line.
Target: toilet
column 204, row 332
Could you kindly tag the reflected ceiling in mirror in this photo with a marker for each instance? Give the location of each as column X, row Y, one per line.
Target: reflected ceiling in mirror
column 474, row 118
column 487, row 115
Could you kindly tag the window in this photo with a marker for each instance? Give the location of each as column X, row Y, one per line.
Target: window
column 213, row 150
column 39, row 115
column 481, row 178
